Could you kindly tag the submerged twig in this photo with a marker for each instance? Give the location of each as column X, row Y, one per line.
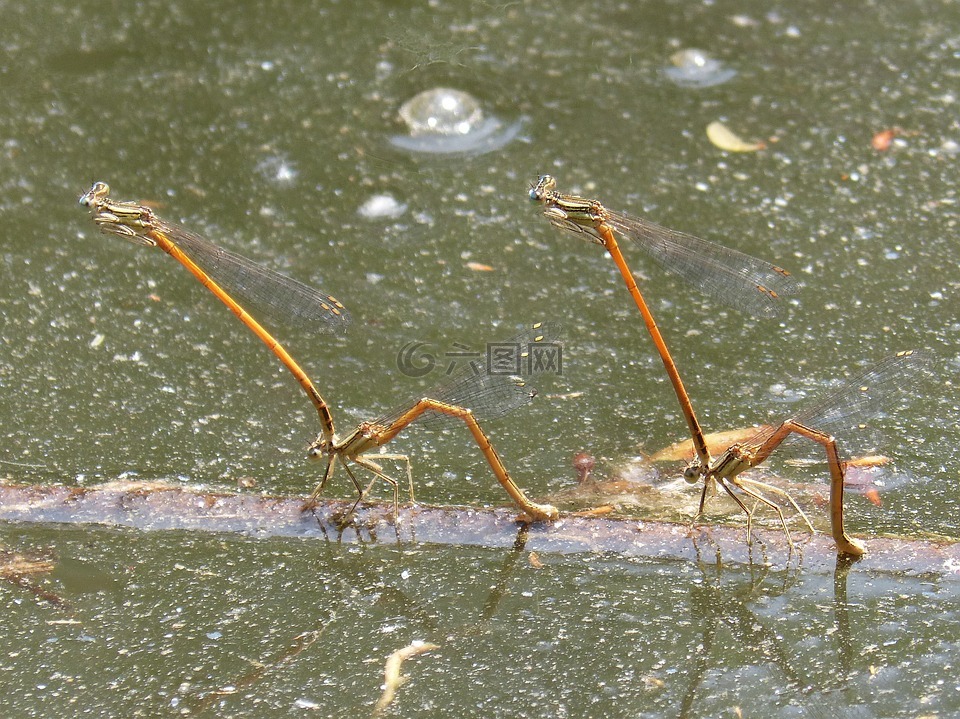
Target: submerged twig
column 392, row 678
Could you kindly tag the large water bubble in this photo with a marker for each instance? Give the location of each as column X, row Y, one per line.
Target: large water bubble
column 448, row 121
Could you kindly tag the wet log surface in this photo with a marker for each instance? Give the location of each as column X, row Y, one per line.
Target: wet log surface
column 159, row 507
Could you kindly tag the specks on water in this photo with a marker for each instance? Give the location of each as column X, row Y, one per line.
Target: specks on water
column 384, row 70
column 277, row 168
column 382, row 206
column 777, row 390
column 950, row 147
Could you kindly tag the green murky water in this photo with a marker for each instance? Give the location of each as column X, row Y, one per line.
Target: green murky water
column 267, row 129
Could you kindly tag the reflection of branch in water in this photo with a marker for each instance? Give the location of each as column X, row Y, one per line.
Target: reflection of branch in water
column 745, row 553
column 395, row 601
column 359, row 577
column 716, row 604
column 699, row 669
column 261, row 669
column 20, row 570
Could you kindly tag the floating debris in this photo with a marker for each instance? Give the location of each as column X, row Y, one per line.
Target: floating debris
column 724, row 138
column 392, row 679
column 883, row 139
column 583, row 464
column 479, row 267
column 695, row 68
column 380, row 206
column 277, row 168
column 20, row 570
column 448, row 121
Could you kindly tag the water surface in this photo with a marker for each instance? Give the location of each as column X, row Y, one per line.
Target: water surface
column 267, row 128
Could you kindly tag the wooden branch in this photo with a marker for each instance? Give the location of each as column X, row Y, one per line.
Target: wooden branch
column 157, row 507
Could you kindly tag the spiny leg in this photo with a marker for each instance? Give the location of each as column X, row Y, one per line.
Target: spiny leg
column 783, row 493
column 395, row 457
column 760, row 498
column 409, row 465
column 749, row 512
column 378, row 473
column 708, row 483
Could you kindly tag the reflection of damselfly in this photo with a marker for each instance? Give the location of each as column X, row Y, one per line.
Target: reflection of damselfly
column 479, row 390
column 739, row 280
column 863, row 396
column 281, row 298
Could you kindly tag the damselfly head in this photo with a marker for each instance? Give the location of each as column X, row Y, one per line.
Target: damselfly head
column 540, row 189
column 692, row 472
column 127, row 220
column 318, row 449
column 95, row 196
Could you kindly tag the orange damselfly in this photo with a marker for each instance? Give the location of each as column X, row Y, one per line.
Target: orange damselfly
column 228, row 276
column 281, row 298
column 737, row 279
column 742, row 281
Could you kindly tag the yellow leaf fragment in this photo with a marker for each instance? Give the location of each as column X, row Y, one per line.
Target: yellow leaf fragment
column 724, row 138
column 717, row 442
column 869, row 460
column 595, row 512
column 652, row 682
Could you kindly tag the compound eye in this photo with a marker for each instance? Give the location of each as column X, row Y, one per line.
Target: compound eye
column 691, row 474
column 314, row 453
